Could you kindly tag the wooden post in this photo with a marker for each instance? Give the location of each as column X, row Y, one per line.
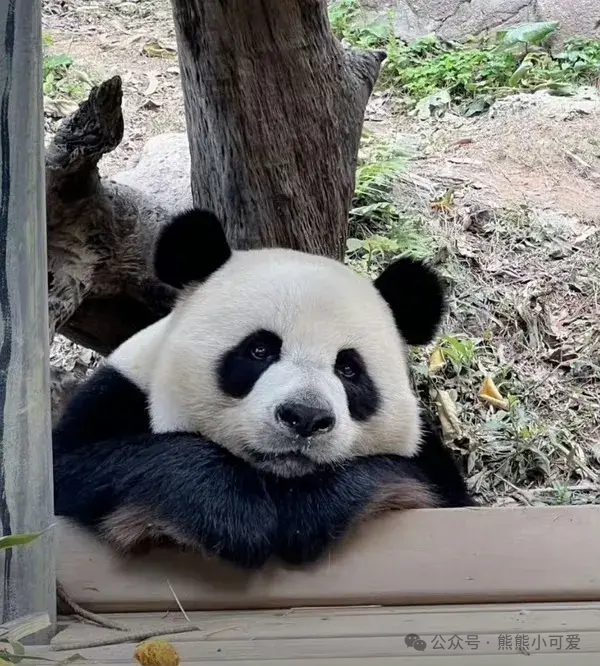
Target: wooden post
column 27, row 573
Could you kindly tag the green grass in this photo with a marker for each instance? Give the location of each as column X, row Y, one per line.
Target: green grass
column 380, row 230
column 12, row 650
column 60, row 79
column 470, row 76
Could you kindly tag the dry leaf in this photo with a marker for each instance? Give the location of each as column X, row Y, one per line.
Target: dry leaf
column 70, row 660
column 157, row 653
column 154, row 49
column 150, row 105
column 59, row 108
column 83, row 77
column 448, row 415
column 152, row 84
column 490, row 394
column 585, row 235
column 436, row 361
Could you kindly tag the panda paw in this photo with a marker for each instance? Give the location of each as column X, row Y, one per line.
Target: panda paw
column 314, row 512
column 317, row 511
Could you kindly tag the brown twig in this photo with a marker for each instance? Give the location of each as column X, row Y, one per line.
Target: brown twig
column 185, row 615
column 133, row 637
column 80, row 612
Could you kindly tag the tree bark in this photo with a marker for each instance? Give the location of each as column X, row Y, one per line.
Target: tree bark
column 27, row 583
column 274, row 109
column 100, row 233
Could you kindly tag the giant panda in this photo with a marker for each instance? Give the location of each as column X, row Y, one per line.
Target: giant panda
column 265, row 415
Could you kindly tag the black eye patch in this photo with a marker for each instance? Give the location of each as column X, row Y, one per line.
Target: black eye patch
column 361, row 392
column 241, row 367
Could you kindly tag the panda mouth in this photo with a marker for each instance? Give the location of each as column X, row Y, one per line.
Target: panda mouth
column 288, row 463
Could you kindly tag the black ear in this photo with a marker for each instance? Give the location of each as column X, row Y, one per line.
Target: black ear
column 190, row 248
column 416, row 297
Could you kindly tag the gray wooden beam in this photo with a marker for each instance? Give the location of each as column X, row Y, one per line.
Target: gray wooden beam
column 27, row 573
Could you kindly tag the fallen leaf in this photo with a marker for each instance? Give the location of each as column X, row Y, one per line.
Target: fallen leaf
column 150, row 105
column 154, row 49
column 71, row 659
column 83, row 77
column 152, row 84
column 491, row 394
column 354, row 244
column 437, row 360
column 59, row 108
column 448, row 415
column 462, row 142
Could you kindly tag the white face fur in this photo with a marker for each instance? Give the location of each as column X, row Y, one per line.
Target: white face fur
column 314, row 308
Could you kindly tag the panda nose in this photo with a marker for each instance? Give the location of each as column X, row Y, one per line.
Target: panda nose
column 305, row 420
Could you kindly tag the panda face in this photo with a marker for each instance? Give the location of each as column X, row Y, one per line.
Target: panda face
column 312, row 398
column 288, row 360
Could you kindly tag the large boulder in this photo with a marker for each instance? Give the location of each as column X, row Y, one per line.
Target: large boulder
column 457, row 19
column 162, row 172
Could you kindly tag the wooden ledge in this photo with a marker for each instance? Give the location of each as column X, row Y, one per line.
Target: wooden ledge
column 467, row 635
column 429, row 556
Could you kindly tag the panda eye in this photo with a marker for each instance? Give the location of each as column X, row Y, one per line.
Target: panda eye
column 347, row 371
column 348, row 364
column 262, row 346
column 259, row 352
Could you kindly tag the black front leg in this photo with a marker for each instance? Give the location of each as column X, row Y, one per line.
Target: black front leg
column 140, row 491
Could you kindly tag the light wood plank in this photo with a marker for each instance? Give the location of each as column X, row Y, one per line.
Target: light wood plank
column 27, row 579
column 560, row 659
column 328, row 623
column 566, row 643
column 568, row 631
column 482, row 555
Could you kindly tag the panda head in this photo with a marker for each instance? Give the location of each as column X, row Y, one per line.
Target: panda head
column 289, row 360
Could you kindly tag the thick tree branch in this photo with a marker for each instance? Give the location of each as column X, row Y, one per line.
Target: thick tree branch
column 100, row 233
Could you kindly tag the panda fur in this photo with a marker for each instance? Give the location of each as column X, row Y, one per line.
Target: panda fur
column 180, row 437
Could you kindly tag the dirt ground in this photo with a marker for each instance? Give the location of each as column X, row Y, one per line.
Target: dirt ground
column 513, row 199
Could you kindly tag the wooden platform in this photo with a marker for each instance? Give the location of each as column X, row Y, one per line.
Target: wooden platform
column 488, row 635
column 437, row 556
column 495, row 586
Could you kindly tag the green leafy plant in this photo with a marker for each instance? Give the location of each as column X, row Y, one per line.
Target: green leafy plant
column 379, row 230
column 460, row 352
column 60, row 80
column 469, row 77
column 407, row 238
column 378, row 165
column 344, row 20
column 14, row 540
column 12, row 651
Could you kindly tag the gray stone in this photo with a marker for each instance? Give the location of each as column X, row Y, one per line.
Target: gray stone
column 162, row 172
column 457, row 19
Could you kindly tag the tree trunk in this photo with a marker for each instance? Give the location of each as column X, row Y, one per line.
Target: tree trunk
column 27, row 578
column 274, row 109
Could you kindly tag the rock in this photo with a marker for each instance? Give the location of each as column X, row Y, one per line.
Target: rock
column 457, row 19
column 162, row 171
